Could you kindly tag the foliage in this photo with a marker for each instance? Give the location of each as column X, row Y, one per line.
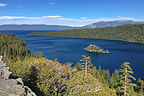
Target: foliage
column 13, row 47
column 140, row 87
column 125, row 78
column 81, row 85
column 49, row 76
column 78, row 66
column 129, row 32
column 86, row 63
column 55, row 79
column 114, row 79
column 24, row 69
column 52, row 76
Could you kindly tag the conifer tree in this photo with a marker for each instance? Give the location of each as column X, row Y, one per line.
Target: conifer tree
column 114, row 79
column 140, row 86
column 86, row 63
column 100, row 70
column 126, row 77
column 78, row 66
column 95, row 72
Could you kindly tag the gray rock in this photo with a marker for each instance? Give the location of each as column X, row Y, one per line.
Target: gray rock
column 2, row 64
column 15, row 90
column 9, row 82
column 7, row 73
column 12, row 90
column 20, row 81
column 1, row 57
column 4, row 71
column 12, row 87
column 1, row 74
column 29, row 91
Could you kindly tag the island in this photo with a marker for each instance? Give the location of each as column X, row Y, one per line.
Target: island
column 96, row 49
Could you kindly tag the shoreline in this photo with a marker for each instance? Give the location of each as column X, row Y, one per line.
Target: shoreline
column 89, row 38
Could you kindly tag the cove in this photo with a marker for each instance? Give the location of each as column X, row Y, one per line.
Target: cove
column 71, row 50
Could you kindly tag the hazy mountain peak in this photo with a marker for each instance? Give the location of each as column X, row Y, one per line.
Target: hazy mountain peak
column 111, row 23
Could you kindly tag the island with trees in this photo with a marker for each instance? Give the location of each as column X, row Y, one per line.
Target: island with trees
column 129, row 33
column 96, row 49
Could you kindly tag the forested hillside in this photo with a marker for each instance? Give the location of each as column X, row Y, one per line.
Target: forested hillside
column 130, row 33
column 51, row 78
column 12, row 47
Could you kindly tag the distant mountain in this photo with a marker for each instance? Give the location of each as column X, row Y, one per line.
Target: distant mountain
column 59, row 27
column 111, row 23
column 35, row 27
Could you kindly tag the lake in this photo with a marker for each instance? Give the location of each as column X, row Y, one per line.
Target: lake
column 72, row 49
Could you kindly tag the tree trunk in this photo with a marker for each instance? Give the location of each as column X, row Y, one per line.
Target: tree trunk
column 125, row 83
column 86, row 64
column 142, row 86
column 5, row 57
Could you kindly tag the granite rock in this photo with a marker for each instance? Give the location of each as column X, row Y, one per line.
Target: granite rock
column 12, row 87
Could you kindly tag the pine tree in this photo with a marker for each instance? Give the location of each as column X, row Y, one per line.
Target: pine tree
column 86, row 63
column 114, row 79
column 126, row 77
column 100, row 70
column 78, row 66
column 107, row 74
column 140, row 86
column 95, row 72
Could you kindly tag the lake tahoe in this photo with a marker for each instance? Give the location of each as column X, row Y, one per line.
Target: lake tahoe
column 72, row 49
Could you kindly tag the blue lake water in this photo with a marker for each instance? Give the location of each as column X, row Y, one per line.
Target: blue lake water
column 71, row 50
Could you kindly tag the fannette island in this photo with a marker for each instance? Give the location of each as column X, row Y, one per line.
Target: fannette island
column 96, row 49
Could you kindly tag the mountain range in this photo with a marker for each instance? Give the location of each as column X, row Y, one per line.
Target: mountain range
column 35, row 27
column 111, row 23
column 59, row 27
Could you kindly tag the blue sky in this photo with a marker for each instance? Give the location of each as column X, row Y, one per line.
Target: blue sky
column 69, row 12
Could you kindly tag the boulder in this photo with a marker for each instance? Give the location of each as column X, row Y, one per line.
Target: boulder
column 14, row 87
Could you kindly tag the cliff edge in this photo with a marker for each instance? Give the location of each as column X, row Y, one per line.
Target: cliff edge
column 12, row 87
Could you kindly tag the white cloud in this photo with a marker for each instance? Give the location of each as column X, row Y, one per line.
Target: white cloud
column 20, row 6
column 16, row 17
column 83, row 17
column 11, row 17
column 52, row 3
column 58, row 20
column 3, row 5
column 52, row 16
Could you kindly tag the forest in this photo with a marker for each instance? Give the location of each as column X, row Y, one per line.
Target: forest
column 129, row 32
column 51, row 78
column 12, row 47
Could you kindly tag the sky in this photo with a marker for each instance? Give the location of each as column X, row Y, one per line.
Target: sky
column 69, row 12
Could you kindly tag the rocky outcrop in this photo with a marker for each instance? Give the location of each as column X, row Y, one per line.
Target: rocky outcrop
column 12, row 87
